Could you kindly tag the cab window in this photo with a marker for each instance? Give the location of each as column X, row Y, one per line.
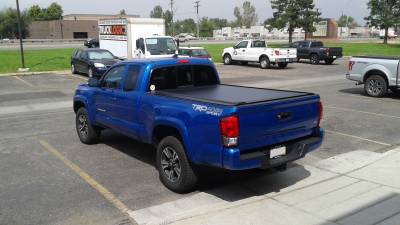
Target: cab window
column 242, row 44
column 131, row 78
column 113, row 78
column 258, row 44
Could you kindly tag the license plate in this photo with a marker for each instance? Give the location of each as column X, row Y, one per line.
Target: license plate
column 276, row 152
column 287, row 60
column 334, row 57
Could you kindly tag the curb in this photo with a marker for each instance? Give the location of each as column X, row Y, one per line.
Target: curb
column 35, row 73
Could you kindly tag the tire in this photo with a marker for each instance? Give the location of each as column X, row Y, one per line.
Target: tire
column 87, row 133
column 395, row 90
column 265, row 63
column 376, row 86
column 73, row 70
column 170, row 157
column 227, row 59
column 314, row 59
column 90, row 72
column 329, row 61
column 282, row 65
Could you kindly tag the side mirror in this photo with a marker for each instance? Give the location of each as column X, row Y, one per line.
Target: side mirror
column 93, row 82
column 235, row 47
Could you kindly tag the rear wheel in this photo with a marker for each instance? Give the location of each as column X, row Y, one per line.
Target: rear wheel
column 376, row 86
column 314, row 59
column 227, row 59
column 73, row 70
column 265, row 63
column 90, row 72
column 329, row 61
column 87, row 133
column 174, row 169
column 282, row 65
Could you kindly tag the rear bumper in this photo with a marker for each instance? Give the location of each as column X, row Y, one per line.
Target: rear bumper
column 234, row 160
column 282, row 60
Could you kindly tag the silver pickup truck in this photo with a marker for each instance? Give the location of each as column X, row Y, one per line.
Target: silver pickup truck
column 378, row 74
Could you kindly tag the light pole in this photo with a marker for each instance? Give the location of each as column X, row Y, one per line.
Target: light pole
column 23, row 68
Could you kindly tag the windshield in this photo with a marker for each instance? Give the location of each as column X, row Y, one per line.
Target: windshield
column 160, row 46
column 100, row 55
column 199, row 52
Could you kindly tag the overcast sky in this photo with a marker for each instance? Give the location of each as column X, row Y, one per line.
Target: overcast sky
column 185, row 8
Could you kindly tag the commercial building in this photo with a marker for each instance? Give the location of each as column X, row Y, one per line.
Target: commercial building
column 72, row 26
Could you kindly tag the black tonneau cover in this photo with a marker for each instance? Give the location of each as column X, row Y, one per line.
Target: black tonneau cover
column 230, row 94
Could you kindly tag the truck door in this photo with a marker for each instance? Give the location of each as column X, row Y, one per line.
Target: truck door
column 240, row 51
column 302, row 51
column 254, row 51
column 125, row 103
column 104, row 96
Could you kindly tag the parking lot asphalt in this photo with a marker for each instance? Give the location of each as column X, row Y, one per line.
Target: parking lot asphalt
column 48, row 177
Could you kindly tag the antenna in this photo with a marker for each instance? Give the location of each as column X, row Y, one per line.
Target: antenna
column 172, row 13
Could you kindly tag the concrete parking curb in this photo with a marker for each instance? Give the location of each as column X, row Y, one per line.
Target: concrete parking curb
column 58, row 72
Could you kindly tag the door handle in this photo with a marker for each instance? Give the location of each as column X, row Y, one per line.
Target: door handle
column 243, row 50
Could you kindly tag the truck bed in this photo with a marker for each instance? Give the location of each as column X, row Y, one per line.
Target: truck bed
column 230, row 94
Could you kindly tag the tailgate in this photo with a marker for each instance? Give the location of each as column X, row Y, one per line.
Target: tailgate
column 285, row 53
column 270, row 124
column 336, row 51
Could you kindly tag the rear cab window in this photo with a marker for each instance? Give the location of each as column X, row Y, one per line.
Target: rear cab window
column 183, row 76
column 316, row 44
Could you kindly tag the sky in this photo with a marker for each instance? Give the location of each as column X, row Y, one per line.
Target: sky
column 185, row 8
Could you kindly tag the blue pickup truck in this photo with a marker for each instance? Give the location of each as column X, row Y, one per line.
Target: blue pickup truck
column 179, row 106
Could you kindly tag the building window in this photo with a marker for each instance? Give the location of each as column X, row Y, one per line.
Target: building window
column 80, row 35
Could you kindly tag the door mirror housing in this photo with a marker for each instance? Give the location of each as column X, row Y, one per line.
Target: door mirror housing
column 93, row 82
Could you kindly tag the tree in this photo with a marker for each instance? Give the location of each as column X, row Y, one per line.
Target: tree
column 293, row 14
column 53, row 12
column 219, row 23
column 383, row 14
column 167, row 15
column 157, row 12
column 347, row 21
column 35, row 12
column 9, row 24
column 122, row 12
column 185, row 26
column 206, row 27
column 246, row 16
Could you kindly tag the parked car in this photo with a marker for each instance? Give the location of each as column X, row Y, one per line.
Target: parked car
column 316, row 52
column 93, row 61
column 92, row 43
column 197, row 52
column 257, row 51
column 179, row 106
column 378, row 74
column 181, row 38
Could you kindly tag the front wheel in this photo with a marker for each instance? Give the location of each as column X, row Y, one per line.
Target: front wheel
column 282, row 65
column 265, row 63
column 376, row 86
column 90, row 72
column 87, row 133
column 314, row 59
column 73, row 69
column 227, row 59
column 174, row 169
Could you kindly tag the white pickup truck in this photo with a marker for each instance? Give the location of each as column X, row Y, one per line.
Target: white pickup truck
column 257, row 51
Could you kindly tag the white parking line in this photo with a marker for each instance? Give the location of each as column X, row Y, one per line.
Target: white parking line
column 356, row 137
column 23, row 81
column 364, row 112
column 82, row 78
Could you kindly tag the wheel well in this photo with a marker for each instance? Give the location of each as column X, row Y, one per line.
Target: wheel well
column 162, row 131
column 78, row 105
column 375, row 72
column 262, row 56
column 227, row 54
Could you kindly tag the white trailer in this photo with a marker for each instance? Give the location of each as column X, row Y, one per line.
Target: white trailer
column 136, row 38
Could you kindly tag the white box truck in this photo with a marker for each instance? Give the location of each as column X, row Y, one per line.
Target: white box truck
column 136, row 38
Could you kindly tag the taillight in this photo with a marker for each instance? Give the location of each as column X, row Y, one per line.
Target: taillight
column 183, row 61
column 230, row 131
column 351, row 64
column 327, row 51
column 277, row 52
column 320, row 113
